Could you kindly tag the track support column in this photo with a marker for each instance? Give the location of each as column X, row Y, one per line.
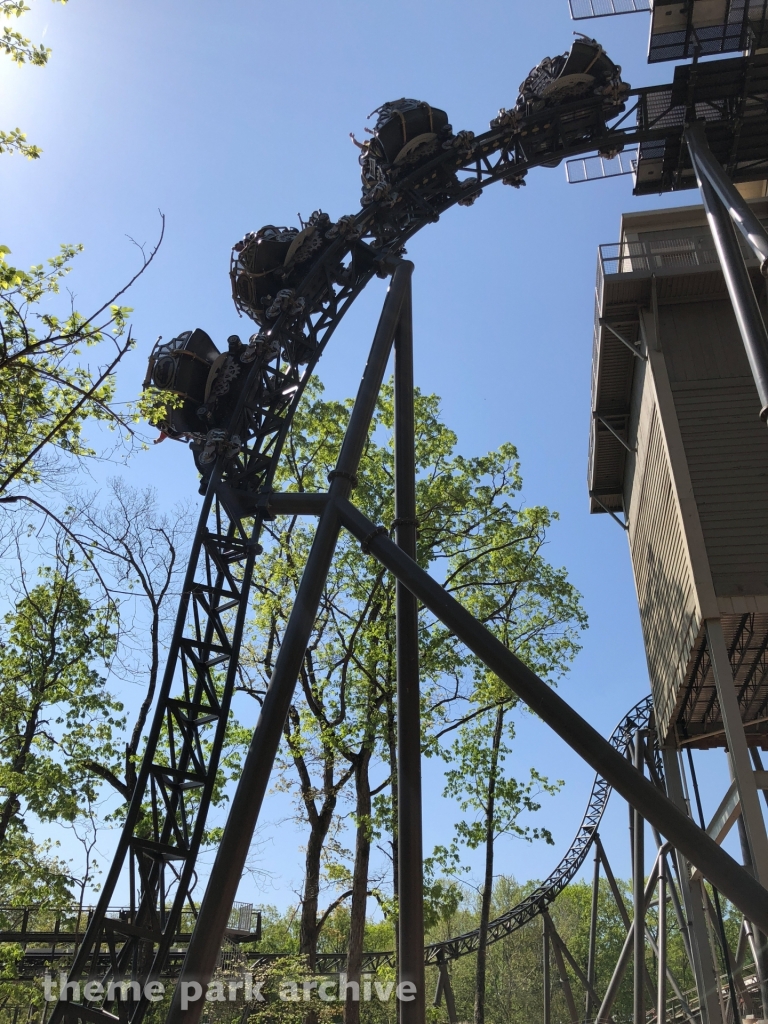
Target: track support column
column 638, row 893
column 444, row 989
column 693, row 904
column 591, row 962
column 410, row 965
column 565, row 983
column 737, row 206
column 661, row 995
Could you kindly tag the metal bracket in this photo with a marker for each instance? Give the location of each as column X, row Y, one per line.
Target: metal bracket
column 623, row 525
column 624, row 341
column 601, row 419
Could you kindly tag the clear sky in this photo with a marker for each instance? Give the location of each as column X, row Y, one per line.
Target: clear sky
column 231, row 114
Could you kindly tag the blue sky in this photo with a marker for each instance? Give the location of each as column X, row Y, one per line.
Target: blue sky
column 232, row 114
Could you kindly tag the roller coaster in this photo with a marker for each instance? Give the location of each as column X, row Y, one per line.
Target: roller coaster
column 234, row 409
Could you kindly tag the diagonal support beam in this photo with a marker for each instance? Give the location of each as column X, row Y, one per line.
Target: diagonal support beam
column 738, row 751
column 444, row 989
column 545, row 974
column 624, row 525
column 726, row 814
column 620, row 337
column 591, row 961
column 626, row 951
column 564, row 979
column 601, row 419
column 560, row 944
column 719, row 867
column 691, row 890
column 618, row 898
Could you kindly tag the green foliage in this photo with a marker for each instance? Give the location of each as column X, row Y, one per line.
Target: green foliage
column 154, row 405
column 442, row 896
column 32, row 874
column 21, row 51
column 62, row 729
column 279, row 932
column 46, row 394
column 58, row 736
column 514, row 993
column 53, row 702
column 15, row 141
column 55, row 715
column 45, row 401
column 13, row 44
column 469, row 779
column 290, row 994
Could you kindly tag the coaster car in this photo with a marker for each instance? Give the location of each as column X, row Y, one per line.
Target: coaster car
column 268, row 263
column 407, row 134
column 191, row 367
column 586, row 70
column 566, row 100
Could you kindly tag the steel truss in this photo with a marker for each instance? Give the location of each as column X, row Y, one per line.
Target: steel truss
column 166, row 817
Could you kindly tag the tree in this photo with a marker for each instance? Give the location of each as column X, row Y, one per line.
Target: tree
column 477, row 781
column 499, row 572
column 137, row 548
column 55, row 708
column 69, row 641
column 341, row 731
column 47, row 396
column 21, row 51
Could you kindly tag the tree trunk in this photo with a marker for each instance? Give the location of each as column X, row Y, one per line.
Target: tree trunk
column 12, row 805
column 132, row 747
column 359, row 885
column 319, row 822
column 308, row 927
column 485, row 903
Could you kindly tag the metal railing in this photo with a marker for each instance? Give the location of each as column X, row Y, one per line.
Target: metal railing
column 62, row 926
column 595, row 168
column 241, row 917
column 676, row 1013
column 581, row 9
column 659, row 254
column 682, row 253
